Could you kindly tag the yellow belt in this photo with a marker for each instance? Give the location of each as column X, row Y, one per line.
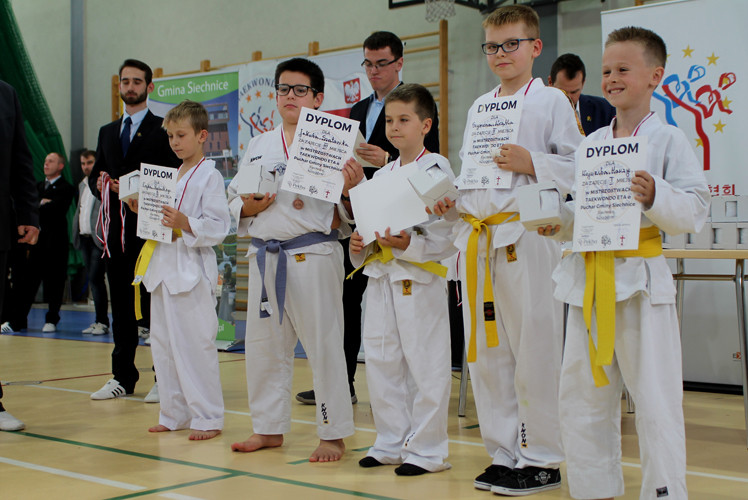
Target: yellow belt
column 141, row 266
column 600, row 289
column 471, row 271
column 384, row 254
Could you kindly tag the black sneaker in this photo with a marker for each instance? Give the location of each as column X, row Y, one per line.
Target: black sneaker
column 492, row 474
column 306, row 397
column 521, row 482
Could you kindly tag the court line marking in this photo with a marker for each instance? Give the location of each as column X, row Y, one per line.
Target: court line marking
column 227, row 471
column 173, row 487
column 74, row 475
column 452, row 441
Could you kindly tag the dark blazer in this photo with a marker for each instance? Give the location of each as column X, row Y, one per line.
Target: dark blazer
column 594, row 113
column 150, row 145
column 53, row 214
column 378, row 137
column 93, row 218
column 19, row 205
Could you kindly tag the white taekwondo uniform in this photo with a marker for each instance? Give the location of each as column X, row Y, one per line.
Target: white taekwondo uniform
column 647, row 340
column 182, row 278
column 516, row 383
column 407, row 343
column 313, row 310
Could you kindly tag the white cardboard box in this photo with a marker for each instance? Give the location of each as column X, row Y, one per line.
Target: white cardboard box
column 724, row 235
column 677, row 242
column 256, row 179
column 742, row 236
column 701, row 240
column 432, row 185
column 129, row 186
column 540, row 206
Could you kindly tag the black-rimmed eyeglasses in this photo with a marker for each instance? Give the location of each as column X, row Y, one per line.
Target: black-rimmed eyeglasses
column 298, row 90
column 378, row 65
column 490, row 48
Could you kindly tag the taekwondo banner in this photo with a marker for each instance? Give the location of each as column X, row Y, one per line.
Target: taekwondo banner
column 705, row 79
column 345, row 85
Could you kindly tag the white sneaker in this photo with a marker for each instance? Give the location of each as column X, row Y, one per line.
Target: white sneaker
column 6, row 328
column 99, row 329
column 112, row 389
column 49, row 328
column 89, row 329
column 10, row 423
column 152, row 396
column 144, row 332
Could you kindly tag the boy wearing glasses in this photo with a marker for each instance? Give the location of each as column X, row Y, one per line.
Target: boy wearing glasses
column 295, row 284
column 515, row 354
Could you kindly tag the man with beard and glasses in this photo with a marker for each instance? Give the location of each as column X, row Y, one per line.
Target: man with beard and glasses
column 135, row 138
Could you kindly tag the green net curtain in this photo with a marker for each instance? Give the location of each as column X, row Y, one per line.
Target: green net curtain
column 41, row 131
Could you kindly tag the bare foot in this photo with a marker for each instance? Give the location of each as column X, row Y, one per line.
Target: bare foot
column 196, row 435
column 159, row 428
column 258, row 442
column 328, row 451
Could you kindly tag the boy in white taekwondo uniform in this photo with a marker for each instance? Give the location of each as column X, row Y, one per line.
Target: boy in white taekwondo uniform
column 645, row 334
column 515, row 362
column 406, row 326
column 300, row 234
column 182, row 278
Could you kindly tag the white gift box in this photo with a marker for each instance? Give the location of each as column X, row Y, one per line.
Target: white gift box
column 724, row 235
column 256, row 179
column 129, row 186
column 742, row 236
column 701, row 240
column 432, row 185
column 676, row 242
column 540, row 205
column 724, row 209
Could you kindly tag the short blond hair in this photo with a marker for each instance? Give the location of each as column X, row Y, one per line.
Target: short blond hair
column 192, row 111
column 512, row 14
column 654, row 46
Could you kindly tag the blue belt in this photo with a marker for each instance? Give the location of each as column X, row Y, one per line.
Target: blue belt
column 281, row 247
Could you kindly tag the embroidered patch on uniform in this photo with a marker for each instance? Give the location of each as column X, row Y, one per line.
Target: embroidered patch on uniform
column 511, row 253
column 300, row 257
column 407, row 287
column 523, row 436
column 489, row 314
column 323, row 411
column 662, row 492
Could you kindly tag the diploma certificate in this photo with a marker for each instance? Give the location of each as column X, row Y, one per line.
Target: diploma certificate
column 606, row 215
column 492, row 122
column 158, row 187
column 321, row 145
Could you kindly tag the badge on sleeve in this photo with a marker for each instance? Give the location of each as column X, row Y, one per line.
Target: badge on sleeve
column 300, row 257
column 407, row 287
column 511, row 253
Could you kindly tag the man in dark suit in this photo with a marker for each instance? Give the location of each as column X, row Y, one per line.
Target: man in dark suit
column 383, row 60
column 47, row 261
column 19, row 207
column 86, row 234
column 568, row 74
column 135, row 138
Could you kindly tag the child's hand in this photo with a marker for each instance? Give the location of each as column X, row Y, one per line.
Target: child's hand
column 356, row 244
column 399, row 241
column 133, row 204
column 253, row 207
column 549, row 230
column 441, row 207
column 643, row 187
column 515, row 158
column 175, row 219
column 353, row 172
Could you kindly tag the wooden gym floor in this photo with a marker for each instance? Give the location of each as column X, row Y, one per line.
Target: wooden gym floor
column 76, row 448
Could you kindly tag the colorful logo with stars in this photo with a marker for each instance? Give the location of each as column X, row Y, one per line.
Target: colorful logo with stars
column 257, row 106
column 702, row 92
